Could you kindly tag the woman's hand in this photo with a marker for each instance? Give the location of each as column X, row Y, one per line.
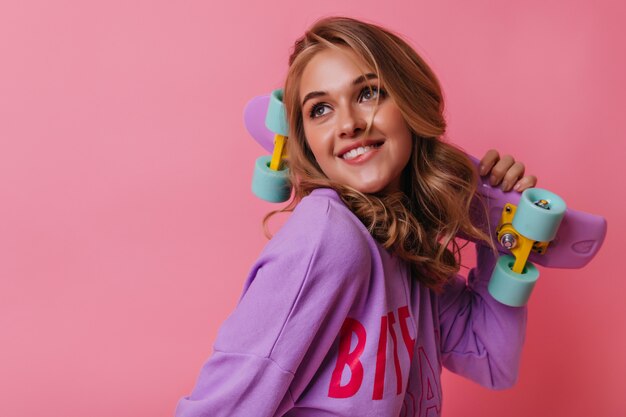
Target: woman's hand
column 506, row 172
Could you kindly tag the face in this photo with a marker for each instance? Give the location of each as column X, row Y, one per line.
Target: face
column 337, row 105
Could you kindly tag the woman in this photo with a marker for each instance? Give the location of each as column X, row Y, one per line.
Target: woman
column 353, row 307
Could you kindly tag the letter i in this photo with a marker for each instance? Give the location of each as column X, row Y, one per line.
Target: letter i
column 381, row 361
column 396, row 360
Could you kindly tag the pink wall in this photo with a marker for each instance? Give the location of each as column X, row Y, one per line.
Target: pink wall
column 126, row 222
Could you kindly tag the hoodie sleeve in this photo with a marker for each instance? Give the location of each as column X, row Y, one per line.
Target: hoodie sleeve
column 294, row 302
column 481, row 339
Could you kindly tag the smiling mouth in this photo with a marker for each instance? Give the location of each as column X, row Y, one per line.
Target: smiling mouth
column 351, row 154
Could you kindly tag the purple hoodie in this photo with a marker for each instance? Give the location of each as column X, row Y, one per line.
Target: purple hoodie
column 331, row 324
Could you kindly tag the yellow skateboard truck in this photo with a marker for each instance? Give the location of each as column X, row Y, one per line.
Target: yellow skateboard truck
column 279, row 152
column 519, row 245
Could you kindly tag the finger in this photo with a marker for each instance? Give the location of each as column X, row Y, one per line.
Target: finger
column 500, row 169
column 528, row 181
column 489, row 160
column 514, row 173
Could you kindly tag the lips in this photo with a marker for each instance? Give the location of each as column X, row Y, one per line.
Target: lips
column 360, row 144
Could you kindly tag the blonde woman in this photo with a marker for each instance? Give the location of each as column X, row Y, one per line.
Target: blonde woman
column 354, row 305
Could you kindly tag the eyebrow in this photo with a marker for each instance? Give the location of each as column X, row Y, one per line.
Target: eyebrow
column 358, row 80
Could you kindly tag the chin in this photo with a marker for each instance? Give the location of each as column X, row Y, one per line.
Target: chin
column 369, row 188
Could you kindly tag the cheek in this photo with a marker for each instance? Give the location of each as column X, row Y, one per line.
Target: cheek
column 396, row 127
column 312, row 143
column 403, row 138
column 317, row 141
column 407, row 140
column 400, row 126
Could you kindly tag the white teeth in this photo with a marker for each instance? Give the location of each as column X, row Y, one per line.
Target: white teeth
column 356, row 152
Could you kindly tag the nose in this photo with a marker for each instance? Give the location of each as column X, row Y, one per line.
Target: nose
column 350, row 123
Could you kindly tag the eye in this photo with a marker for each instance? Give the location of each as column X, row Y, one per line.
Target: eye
column 318, row 110
column 371, row 93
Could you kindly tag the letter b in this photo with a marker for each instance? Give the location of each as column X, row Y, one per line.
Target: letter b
column 351, row 359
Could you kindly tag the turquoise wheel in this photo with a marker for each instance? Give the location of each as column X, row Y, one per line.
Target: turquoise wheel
column 276, row 119
column 509, row 287
column 270, row 185
column 539, row 214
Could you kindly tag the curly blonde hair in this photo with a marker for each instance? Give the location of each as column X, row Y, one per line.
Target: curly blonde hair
column 420, row 223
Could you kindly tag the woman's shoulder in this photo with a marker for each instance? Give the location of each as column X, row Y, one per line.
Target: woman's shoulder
column 322, row 243
column 323, row 213
column 322, row 221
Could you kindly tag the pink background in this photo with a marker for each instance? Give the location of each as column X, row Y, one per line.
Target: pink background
column 126, row 222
